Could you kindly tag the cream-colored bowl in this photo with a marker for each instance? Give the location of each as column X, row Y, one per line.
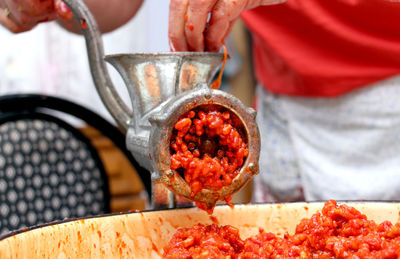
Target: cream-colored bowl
column 143, row 235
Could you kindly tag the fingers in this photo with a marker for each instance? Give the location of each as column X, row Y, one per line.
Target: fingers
column 255, row 3
column 176, row 29
column 32, row 7
column 23, row 15
column 222, row 19
column 8, row 22
column 189, row 29
column 11, row 25
column 17, row 14
column 216, row 34
column 197, row 14
column 62, row 10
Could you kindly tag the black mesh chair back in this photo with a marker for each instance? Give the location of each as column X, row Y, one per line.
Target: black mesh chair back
column 48, row 171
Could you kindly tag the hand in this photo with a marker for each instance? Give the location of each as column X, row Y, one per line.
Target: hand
column 191, row 30
column 22, row 15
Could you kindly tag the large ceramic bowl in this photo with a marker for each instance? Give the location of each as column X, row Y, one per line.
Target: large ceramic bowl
column 143, row 235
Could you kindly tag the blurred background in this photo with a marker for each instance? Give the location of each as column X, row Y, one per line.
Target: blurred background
column 51, row 61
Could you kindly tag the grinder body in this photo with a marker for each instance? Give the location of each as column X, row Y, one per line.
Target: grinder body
column 163, row 87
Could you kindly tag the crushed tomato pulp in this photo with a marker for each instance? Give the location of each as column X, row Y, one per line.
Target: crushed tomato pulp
column 208, row 148
column 339, row 231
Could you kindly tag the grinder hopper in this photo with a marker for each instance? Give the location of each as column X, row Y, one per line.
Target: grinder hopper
column 163, row 87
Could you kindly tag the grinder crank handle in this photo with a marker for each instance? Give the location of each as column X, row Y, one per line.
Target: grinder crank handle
column 94, row 44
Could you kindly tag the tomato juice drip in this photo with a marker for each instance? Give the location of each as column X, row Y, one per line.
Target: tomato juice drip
column 337, row 232
column 217, row 83
column 208, row 148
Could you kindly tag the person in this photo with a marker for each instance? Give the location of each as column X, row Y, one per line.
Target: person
column 328, row 74
column 23, row 15
column 329, row 84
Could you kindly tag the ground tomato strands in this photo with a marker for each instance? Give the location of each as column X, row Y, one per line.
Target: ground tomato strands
column 337, row 232
column 208, row 148
column 217, row 83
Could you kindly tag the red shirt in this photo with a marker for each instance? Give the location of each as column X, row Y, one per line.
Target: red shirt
column 325, row 47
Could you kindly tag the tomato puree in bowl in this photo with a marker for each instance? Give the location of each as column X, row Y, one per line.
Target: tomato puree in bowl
column 338, row 231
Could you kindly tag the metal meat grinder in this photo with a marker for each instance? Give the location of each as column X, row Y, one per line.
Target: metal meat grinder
column 162, row 87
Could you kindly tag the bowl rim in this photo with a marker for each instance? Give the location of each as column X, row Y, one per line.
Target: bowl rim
column 57, row 222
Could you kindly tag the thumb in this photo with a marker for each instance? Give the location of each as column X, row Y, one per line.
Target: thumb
column 62, row 10
column 255, row 3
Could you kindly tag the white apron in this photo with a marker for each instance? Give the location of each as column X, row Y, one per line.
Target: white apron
column 344, row 148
